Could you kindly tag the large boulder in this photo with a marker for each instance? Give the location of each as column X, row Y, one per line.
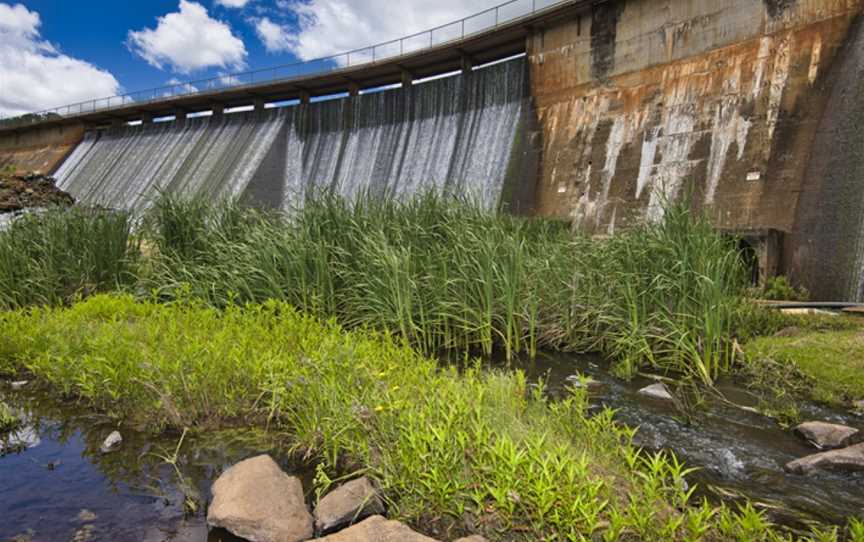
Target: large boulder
column 347, row 504
column 377, row 529
column 844, row 459
column 255, row 500
column 827, row 435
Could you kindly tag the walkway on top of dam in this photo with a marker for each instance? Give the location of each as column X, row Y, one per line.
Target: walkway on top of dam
column 487, row 36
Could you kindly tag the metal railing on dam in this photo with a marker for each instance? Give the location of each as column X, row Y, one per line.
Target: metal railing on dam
column 450, row 34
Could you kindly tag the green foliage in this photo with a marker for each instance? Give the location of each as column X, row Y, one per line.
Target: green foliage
column 780, row 289
column 449, row 449
column 54, row 256
column 8, row 420
column 445, row 274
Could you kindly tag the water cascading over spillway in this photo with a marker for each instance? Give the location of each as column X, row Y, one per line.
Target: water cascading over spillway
column 453, row 135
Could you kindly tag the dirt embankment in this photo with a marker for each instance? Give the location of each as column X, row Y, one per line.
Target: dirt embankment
column 21, row 191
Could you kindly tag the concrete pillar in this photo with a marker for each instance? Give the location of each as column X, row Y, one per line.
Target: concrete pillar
column 304, row 97
column 180, row 116
column 146, row 118
column 353, row 89
column 218, row 109
column 259, row 104
column 467, row 63
column 407, row 78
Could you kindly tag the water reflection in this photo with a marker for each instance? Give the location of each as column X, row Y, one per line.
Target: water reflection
column 59, row 487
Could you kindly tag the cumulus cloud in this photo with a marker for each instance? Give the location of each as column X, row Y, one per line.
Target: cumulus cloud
column 232, row 3
column 189, row 40
column 35, row 75
column 275, row 37
column 327, row 27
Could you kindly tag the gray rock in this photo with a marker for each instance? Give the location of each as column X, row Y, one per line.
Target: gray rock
column 827, row 435
column 19, row 384
column 656, row 391
column 347, row 504
column 111, row 443
column 845, row 459
column 580, row 382
column 472, row 538
column 85, row 516
column 255, row 500
column 377, row 529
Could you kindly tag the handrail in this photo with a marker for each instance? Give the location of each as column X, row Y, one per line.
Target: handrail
column 456, row 31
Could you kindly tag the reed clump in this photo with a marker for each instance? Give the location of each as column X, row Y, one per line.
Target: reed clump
column 442, row 273
column 53, row 256
column 446, row 274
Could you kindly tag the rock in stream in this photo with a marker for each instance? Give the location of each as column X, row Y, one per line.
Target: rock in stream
column 256, row 500
column 825, row 435
column 850, row 458
column 350, row 502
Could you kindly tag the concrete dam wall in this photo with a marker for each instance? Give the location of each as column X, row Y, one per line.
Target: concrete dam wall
column 453, row 135
column 726, row 101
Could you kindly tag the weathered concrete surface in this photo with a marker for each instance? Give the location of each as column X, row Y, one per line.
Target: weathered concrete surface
column 639, row 98
column 827, row 246
column 39, row 150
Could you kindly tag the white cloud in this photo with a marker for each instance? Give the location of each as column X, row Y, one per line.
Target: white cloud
column 189, row 40
column 276, row 38
column 327, row 27
column 232, row 3
column 178, row 87
column 35, row 75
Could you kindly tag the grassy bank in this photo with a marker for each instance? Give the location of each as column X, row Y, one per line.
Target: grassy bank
column 455, row 453
column 441, row 273
column 822, row 360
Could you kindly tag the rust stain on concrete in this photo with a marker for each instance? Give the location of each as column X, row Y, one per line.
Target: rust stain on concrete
column 721, row 101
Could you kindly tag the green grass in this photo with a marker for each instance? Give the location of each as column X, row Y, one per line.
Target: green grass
column 445, row 274
column 54, row 256
column 829, row 362
column 455, row 453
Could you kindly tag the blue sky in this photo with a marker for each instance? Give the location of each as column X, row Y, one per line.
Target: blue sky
column 55, row 52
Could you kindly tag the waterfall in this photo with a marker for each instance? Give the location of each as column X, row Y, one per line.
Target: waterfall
column 453, row 135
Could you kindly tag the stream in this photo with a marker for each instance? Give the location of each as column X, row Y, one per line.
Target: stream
column 739, row 453
column 57, row 486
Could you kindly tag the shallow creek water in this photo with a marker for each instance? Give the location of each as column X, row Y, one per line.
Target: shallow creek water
column 58, row 486
column 738, row 452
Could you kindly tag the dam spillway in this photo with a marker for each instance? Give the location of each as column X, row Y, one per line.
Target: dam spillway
column 453, row 135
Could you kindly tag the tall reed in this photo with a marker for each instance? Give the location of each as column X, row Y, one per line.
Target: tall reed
column 53, row 256
column 446, row 274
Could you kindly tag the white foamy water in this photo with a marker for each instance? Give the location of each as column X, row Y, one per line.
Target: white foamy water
column 452, row 135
